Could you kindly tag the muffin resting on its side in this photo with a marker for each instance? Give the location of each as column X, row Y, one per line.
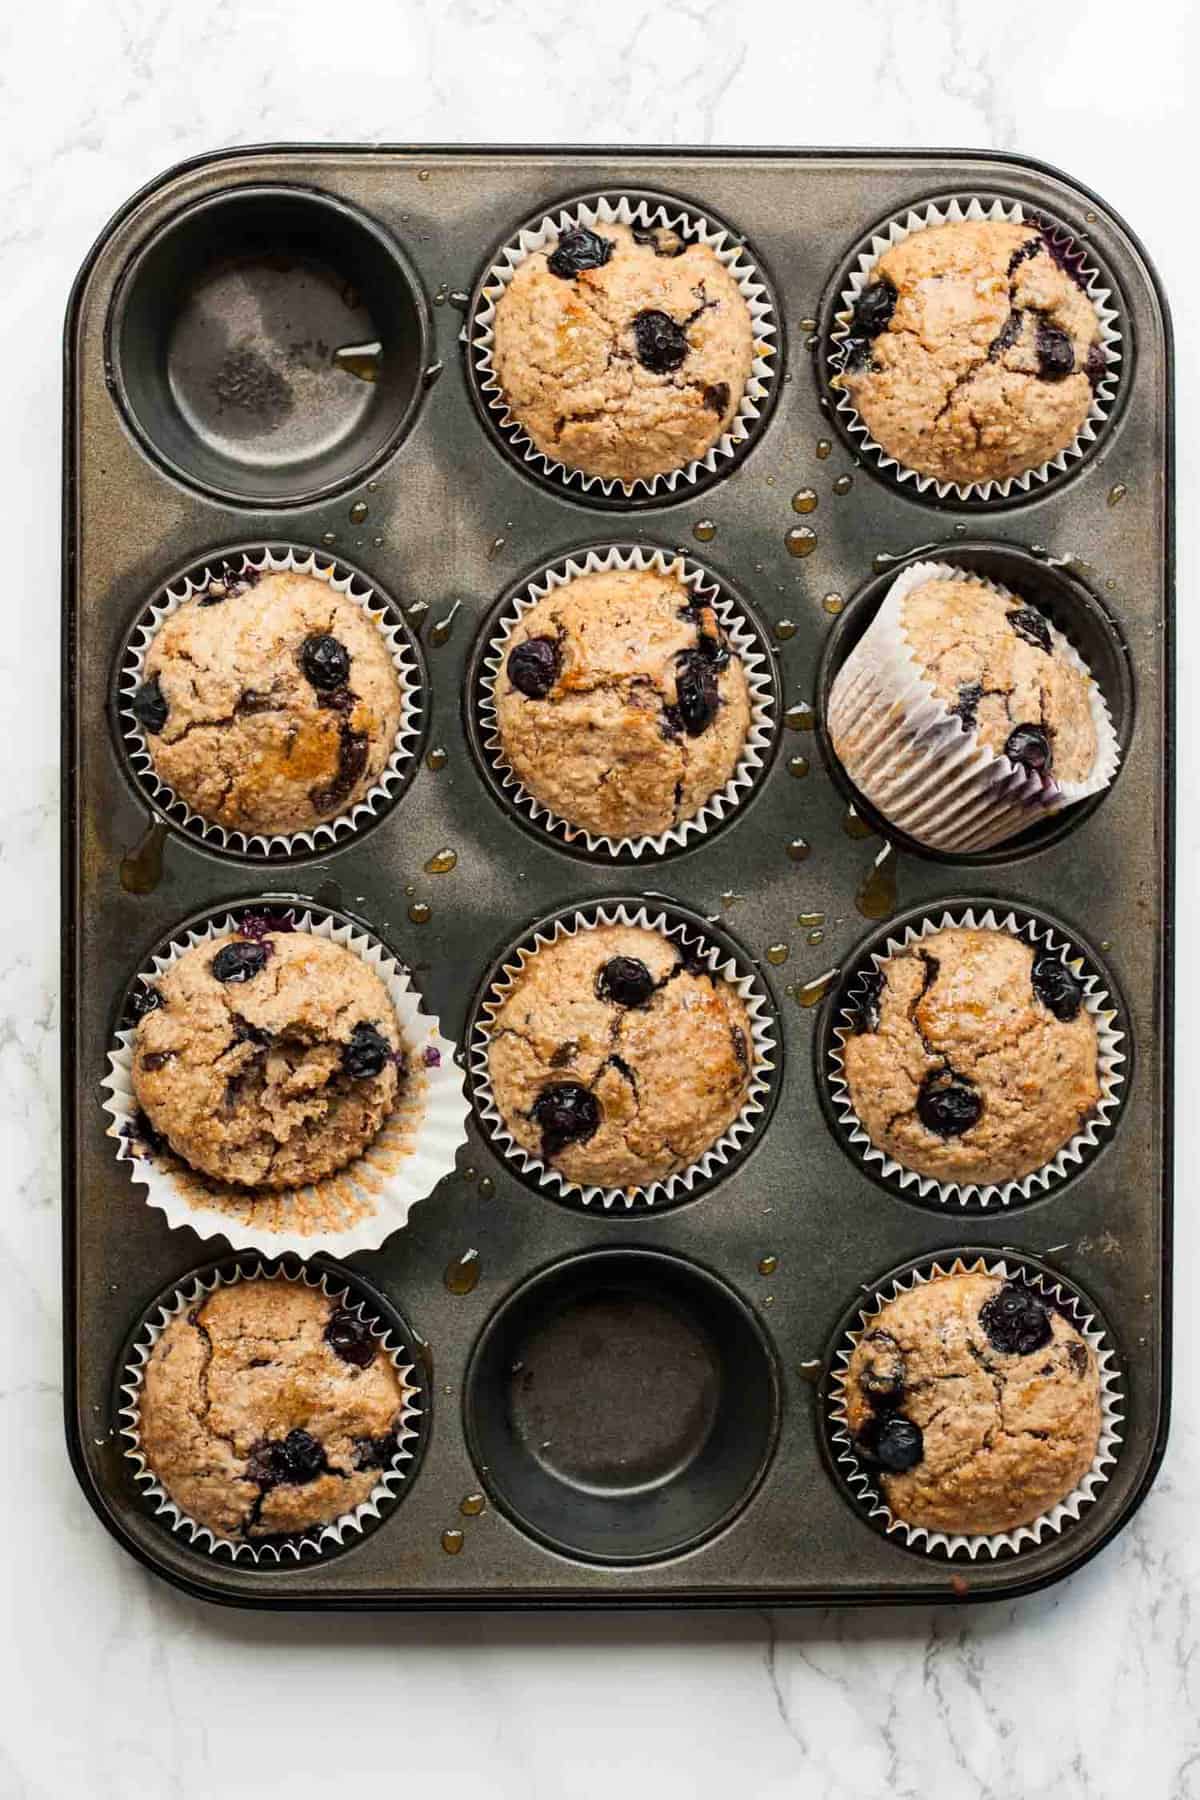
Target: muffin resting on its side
column 269, row 1060
column 973, row 1057
column 268, row 1409
column 973, row 352
column 616, row 1059
column 620, row 705
column 623, row 352
column 974, row 1404
column 269, row 703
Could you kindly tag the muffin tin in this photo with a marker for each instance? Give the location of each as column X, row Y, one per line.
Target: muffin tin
column 673, row 1442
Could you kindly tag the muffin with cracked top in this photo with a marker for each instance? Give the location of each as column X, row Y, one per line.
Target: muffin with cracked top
column 269, row 1408
column 616, row 1058
column 620, row 705
column 269, row 702
column 973, row 351
column 974, row 1404
column 268, row 1058
column 623, row 351
column 973, row 1058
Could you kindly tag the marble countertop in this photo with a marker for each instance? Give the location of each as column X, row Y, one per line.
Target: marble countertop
column 115, row 1684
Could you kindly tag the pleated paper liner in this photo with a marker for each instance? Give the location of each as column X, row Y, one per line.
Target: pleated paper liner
column 745, row 637
column 859, row 1479
column 401, row 763
column 1066, row 249
column 360, row 1205
column 343, row 1288
column 719, row 954
column 1099, row 998
column 649, row 212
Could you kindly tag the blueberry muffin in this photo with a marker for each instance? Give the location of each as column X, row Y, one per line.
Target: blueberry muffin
column 620, row 705
column 269, row 702
column 268, row 1058
column 268, row 1409
column 618, row 1060
column 623, row 352
column 974, row 1404
column 973, row 352
column 973, row 1058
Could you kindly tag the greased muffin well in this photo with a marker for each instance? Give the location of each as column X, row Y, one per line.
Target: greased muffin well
column 269, row 1408
column 623, row 351
column 973, row 352
column 973, row 1058
column 620, row 705
column 973, row 1403
column 269, row 702
column 617, row 1059
column 269, row 1058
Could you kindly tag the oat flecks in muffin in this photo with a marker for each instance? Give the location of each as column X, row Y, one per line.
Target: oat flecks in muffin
column 626, row 367
column 974, row 1404
column 973, row 352
column 269, row 1409
column 617, row 1061
column 977, row 1062
column 269, row 702
column 269, row 1061
column 620, row 705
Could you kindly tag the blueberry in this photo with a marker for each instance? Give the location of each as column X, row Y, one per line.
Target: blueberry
column 1008, row 334
column 325, row 662
column 662, row 243
column 578, row 250
column 533, row 666
column 1096, row 364
column 947, row 1103
column 259, row 925
column 625, row 981
column 352, row 760
column 1015, row 1320
column 350, row 1337
column 661, row 344
column 1077, row 1356
column 711, row 641
column 142, row 1001
column 882, row 1377
column 1023, row 252
column 695, row 691
column 741, row 1053
column 367, row 1053
column 893, row 1441
column 873, row 309
column 240, row 961
column 716, row 398
column 966, row 707
column 1056, row 986
column 149, row 706
column 374, row 1453
column 228, row 581
column 1055, row 353
column 296, row 1459
column 156, row 1059
column 566, row 1113
column 867, row 995
column 1029, row 746
column 1029, row 624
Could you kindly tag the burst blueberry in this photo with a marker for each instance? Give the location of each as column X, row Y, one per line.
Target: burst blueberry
column 566, row 1113
column 367, row 1053
column 325, row 661
column 948, row 1104
column 241, row 961
column 1015, row 1321
column 625, row 980
column 661, row 344
column 1056, row 986
column 578, row 250
column 533, row 666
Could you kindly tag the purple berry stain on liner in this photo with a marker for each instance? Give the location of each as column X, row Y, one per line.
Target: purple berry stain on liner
column 431, row 1056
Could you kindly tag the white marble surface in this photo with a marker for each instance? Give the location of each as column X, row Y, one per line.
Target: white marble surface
column 113, row 1685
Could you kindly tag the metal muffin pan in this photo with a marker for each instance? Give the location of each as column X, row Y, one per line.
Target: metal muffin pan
column 701, row 1475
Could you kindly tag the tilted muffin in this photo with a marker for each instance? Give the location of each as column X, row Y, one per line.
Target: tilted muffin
column 973, row 352
column 973, row 1057
column 269, row 703
column 268, row 1060
column 269, row 1408
column 974, row 1403
column 616, row 1059
column 620, row 705
column 623, row 352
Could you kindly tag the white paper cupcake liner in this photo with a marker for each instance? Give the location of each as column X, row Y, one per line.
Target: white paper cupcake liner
column 727, row 1147
column 330, row 831
column 861, row 1481
column 1110, row 1060
column 622, row 209
column 1090, row 279
column 360, row 1205
column 742, row 638
column 918, row 764
column 317, row 1539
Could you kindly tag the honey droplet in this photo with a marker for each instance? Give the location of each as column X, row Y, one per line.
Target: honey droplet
column 808, row 325
column 810, row 918
column 800, row 717
column 785, row 628
column 328, row 537
column 824, row 449
column 422, row 174
column 460, row 298
column 471, row 1505
column 362, row 360
column 816, row 937
column 377, row 541
column 801, row 540
column 876, row 897
column 804, row 500
column 470, row 1173
column 704, row 531
column 833, row 604
column 462, row 1274
column 140, row 869
column 416, row 614
column 497, row 545
column 487, row 1188
column 420, row 913
column 730, row 898
column 798, row 766
column 1117, row 493
column 856, row 827
column 843, row 484
column 799, row 850
column 358, row 512
column 441, row 862
column 437, row 758
column 777, row 954
column 441, row 631
column 767, row 1265
column 808, row 993
column 452, row 1541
